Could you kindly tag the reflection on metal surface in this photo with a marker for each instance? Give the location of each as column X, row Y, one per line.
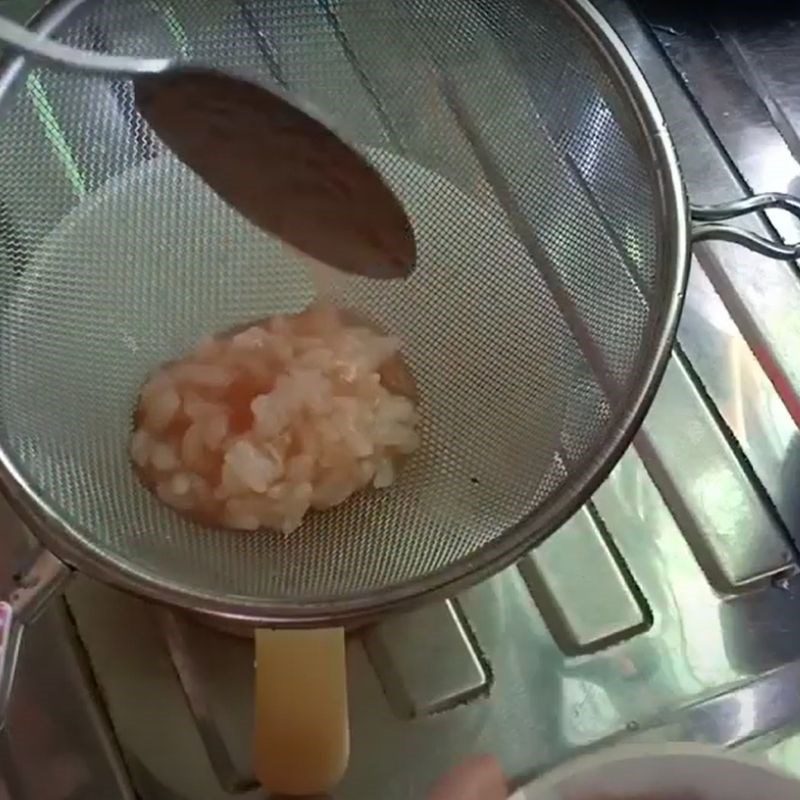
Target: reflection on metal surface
column 736, row 93
column 739, row 70
column 57, row 744
column 405, row 649
column 743, row 395
column 189, row 666
column 736, row 716
column 143, row 695
column 584, row 615
column 781, row 748
column 732, row 532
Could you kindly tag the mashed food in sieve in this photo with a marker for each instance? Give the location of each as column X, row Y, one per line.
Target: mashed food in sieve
column 254, row 428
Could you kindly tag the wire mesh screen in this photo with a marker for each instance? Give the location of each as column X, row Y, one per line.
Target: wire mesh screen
column 533, row 309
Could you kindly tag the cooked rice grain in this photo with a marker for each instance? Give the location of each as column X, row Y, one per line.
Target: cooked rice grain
column 253, row 429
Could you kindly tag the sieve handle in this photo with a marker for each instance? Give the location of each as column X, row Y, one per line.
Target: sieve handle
column 44, row 578
column 709, row 224
column 302, row 740
column 56, row 54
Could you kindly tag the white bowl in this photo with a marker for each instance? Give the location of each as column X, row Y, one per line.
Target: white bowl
column 663, row 772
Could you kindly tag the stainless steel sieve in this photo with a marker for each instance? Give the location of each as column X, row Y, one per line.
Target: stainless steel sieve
column 553, row 237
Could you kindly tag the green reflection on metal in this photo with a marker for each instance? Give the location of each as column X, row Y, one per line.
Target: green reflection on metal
column 52, row 130
column 174, row 24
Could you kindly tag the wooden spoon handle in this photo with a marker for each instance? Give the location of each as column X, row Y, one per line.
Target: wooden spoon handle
column 301, row 725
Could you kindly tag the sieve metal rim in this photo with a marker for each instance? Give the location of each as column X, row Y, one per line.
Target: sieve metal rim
column 67, row 542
